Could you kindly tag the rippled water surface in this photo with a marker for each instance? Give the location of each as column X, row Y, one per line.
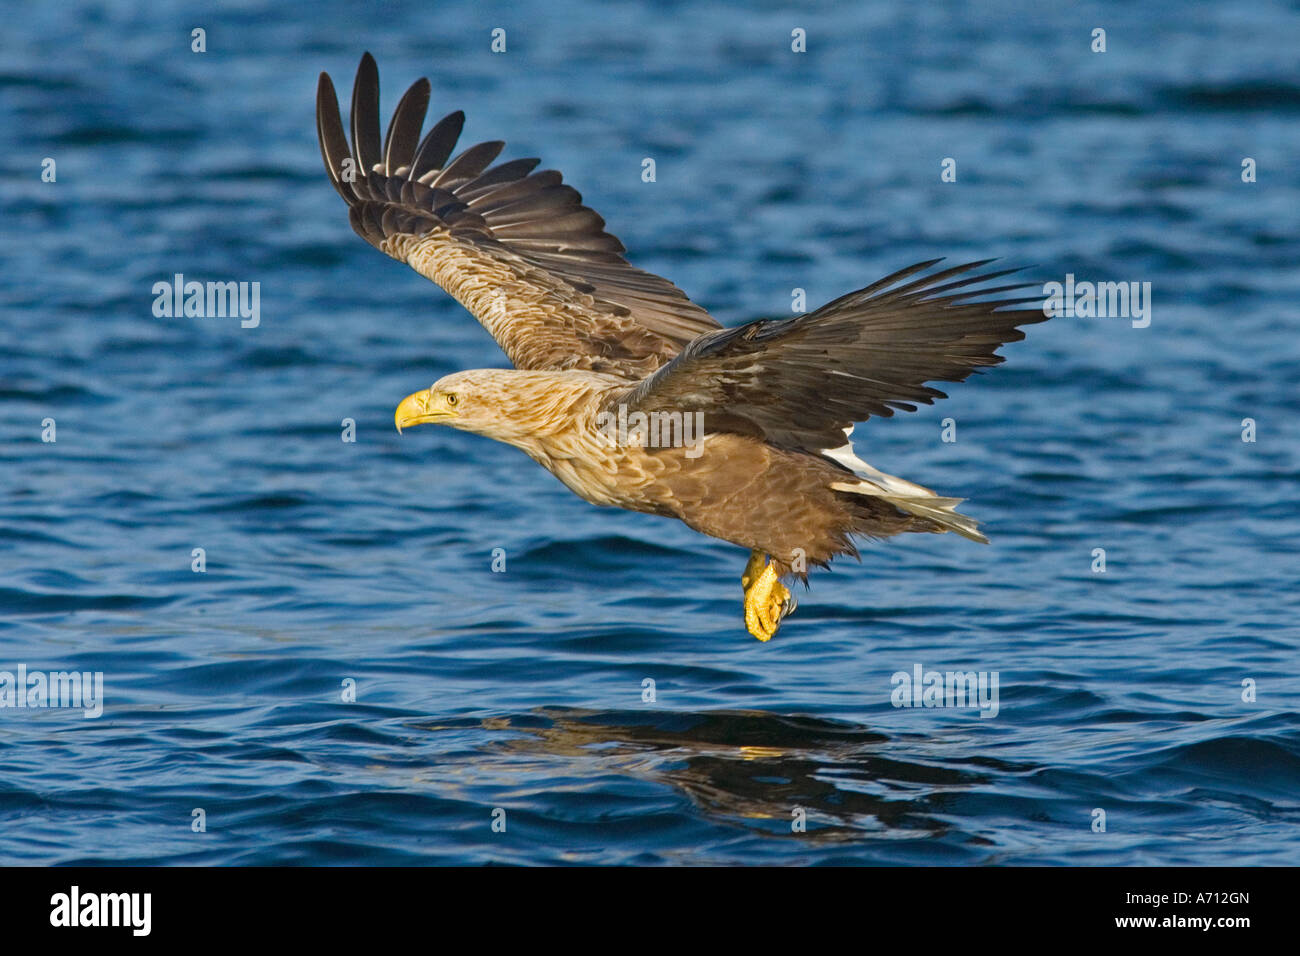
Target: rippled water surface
column 1120, row 691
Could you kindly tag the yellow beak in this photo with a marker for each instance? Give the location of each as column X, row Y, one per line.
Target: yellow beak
column 414, row 410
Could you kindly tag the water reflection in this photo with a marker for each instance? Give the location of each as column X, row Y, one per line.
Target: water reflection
column 754, row 768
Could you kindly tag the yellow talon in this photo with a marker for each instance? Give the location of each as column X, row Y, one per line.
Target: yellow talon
column 767, row 600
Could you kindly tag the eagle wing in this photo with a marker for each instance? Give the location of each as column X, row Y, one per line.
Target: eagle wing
column 801, row 382
column 515, row 247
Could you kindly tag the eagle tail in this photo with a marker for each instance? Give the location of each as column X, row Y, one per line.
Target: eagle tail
column 911, row 498
column 942, row 512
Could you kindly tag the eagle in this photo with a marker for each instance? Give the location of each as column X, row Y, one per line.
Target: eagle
column 632, row 395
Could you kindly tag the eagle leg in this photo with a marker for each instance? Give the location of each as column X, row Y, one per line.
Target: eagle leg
column 767, row 600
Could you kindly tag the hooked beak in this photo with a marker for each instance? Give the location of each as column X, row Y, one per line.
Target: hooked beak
column 414, row 410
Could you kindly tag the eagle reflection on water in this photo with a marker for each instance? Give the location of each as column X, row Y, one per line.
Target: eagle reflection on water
column 749, row 768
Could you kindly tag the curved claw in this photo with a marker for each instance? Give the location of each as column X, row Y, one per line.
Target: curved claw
column 767, row 600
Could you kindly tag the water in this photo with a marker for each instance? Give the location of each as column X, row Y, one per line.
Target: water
column 326, row 561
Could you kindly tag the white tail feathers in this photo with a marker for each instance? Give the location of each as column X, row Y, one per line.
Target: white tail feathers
column 909, row 497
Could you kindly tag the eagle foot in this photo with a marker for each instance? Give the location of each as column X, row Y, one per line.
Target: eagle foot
column 767, row 600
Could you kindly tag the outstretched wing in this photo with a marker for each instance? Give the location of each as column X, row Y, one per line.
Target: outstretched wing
column 515, row 247
column 800, row 382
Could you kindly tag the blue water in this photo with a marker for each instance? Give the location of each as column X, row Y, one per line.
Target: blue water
column 1120, row 691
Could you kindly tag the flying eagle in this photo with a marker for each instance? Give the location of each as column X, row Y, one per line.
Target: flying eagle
column 597, row 343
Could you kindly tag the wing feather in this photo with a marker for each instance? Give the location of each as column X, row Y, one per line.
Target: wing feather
column 365, row 115
column 436, row 145
column 404, row 132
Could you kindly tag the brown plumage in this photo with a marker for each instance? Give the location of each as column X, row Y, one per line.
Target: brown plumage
column 597, row 343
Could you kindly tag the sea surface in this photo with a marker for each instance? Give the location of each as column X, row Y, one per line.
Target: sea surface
column 1148, row 713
